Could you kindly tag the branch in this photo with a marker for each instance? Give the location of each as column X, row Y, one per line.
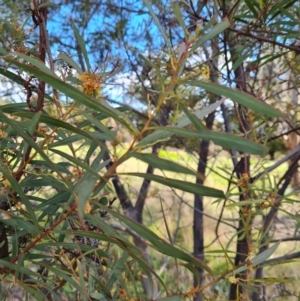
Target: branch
column 42, row 19
column 49, row 53
column 140, row 203
column 262, row 39
column 278, row 163
column 295, row 238
column 243, row 236
column 280, row 258
column 285, row 133
column 270, row 217
column 119, row 187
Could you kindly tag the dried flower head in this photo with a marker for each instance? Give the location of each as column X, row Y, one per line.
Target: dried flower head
column 3, row 134
column 243, row 181
column 122, row 293
column 87, row 207
column 191, row 293
column 6, row 183
column 233, row 280
column 91, row 83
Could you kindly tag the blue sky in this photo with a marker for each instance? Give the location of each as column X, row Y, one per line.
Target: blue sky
column 138, row 25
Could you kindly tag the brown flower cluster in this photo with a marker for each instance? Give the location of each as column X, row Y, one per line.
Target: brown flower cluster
column 91, row 83
column 243, row 181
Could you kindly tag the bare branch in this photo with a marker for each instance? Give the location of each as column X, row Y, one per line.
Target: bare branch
column 277, row 260
column 263, row 39
column 277, row 164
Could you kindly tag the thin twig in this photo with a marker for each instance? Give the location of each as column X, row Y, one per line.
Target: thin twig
column 277, row 164
column 263, row 39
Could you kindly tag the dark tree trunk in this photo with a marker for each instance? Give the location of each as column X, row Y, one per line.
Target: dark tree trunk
column 268, row 220
column 135, row 213
column 243, row 168
column 198, row 231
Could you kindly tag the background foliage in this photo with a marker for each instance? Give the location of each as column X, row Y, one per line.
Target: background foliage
column 149, row 151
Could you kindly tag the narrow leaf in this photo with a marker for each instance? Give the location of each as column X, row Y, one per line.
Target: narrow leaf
column 250, row 5
column 162, row 164
column 242, row 98
column 157, row 70
column 220, row 27
column 260, row 258
column 177, row 12
column 59, row 124
column 159, row 136
column 20, row 223
column 52, row 5
column 85, row 187
column 28, row 140
column 153, row 138
column 81, row 44
column 3, row 51
column 100, row 126
column 35, row 117
column 158, row 243
column 23, row 198
column 70, row 91
column 159, row 26
column 167, row 228
column 182, row 185
column 21, row 269
column 172, row 298
column 19, row 80
column 83, row 293
column 200, row 113
column 193, row 118
column 12, row 76
column 32, row 291
column 223, row 139
column 117, row 270
column 34, row 62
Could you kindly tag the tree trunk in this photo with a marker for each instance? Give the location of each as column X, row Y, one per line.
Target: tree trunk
column 244, row 242
column 198, row 231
